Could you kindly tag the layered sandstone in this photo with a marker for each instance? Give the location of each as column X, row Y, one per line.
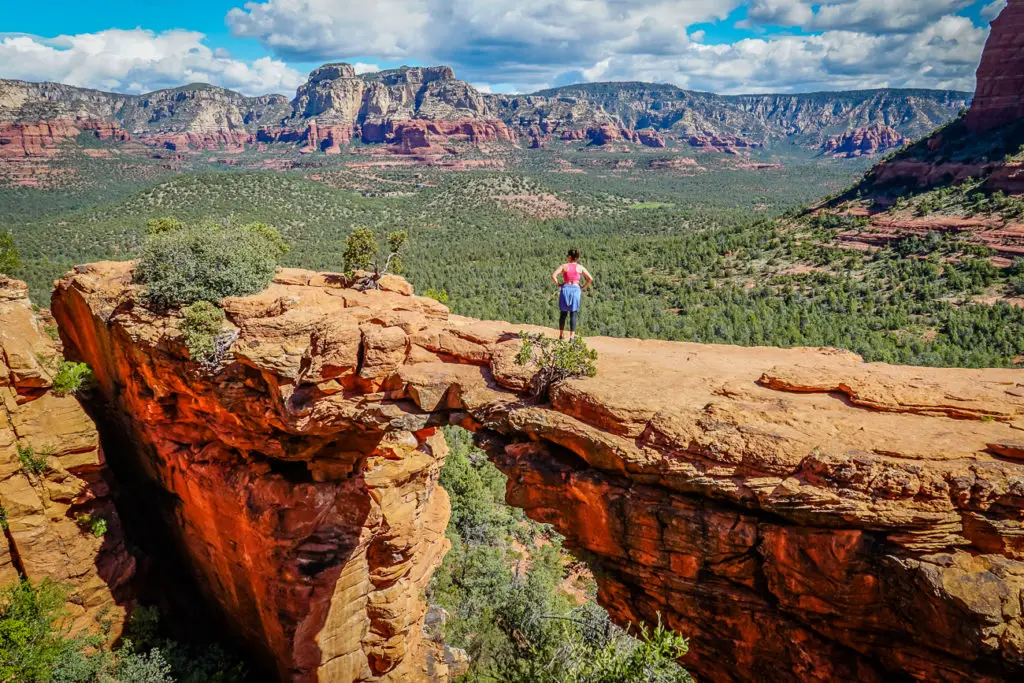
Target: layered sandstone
column 864, row 142
column 336, row 106
column 42, row 536
column 797, row 513
column 18, row 140
column 999, row 99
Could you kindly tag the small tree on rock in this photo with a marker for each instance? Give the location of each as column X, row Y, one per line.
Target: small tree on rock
column 556, row 359
column 363, row 253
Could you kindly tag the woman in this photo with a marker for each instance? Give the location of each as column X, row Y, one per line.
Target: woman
column 569, row 300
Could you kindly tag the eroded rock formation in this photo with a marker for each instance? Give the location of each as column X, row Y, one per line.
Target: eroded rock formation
column 336, row 106
column 864, row 142
column 797, row 513
column 999, row 99
column 41, row 501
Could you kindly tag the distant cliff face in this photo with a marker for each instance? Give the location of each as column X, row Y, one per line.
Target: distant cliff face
column 756, row 118
column 797, row 513
column 377, row 107
column 1000, row 96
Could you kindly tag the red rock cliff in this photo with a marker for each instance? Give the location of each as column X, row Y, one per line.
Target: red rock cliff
column 41, row 537
column 797, row 513
column 999, row 99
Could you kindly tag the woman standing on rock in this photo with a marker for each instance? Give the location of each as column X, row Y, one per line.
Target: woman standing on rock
column 571, row 292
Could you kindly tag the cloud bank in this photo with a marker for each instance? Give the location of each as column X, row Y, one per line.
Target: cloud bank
column 534, row 43
column 139, row 61
column 726, row 46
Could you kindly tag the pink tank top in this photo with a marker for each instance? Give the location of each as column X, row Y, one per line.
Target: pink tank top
column 571, row 274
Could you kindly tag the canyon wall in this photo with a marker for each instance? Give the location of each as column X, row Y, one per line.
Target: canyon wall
column 51, row 473
column 796, row 513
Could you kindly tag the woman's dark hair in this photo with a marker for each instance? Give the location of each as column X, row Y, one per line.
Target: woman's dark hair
column 574, row 254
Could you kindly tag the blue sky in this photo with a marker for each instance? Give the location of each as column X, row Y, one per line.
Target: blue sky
column 503, row 45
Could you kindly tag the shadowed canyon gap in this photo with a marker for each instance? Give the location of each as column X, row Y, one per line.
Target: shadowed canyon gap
column 795, row 512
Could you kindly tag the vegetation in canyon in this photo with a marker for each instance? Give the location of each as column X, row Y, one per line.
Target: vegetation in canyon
column 518, row 603
column 37, row 646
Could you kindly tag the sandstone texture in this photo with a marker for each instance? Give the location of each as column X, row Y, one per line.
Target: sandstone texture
column 999, row 99
column 40, row 535
column 797, row 513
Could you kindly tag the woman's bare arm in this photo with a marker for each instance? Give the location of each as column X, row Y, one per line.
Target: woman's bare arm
column 588, row 276
column 554, row 276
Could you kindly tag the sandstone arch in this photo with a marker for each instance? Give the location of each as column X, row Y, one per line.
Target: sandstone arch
column 795, row 512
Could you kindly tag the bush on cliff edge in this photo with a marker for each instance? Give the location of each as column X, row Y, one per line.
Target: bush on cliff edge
column 182, row 264
column 556, row 360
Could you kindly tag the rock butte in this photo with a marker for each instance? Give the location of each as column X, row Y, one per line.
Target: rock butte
column 999, row 99
column 864, row 142
column 797, row 513
column 42, row 538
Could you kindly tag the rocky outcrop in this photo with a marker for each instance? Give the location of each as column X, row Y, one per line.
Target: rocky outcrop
column 717, row 143
column 52, row 473
column 42, row 139
column 999, row 99
column 797, row 513
column 864, row 142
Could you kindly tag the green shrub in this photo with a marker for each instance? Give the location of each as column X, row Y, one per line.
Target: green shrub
column 94, row 524
column 556, row 360
column 1017, row 285
column 35, row 645
column 52, row 332
column 10, row 261
column 201, row 328
column 158, row 226
column 3, row 518
column 71, row 378
column 31, row 462
column 208, row 262
column 438, row 295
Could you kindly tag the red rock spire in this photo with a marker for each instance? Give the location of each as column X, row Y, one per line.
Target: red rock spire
column 999, row 99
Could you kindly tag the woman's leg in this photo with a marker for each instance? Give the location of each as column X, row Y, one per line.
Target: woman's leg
column 573, row 319
column 561, row 324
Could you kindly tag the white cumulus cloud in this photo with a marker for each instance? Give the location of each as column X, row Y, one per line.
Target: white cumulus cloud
column 138, row 61
column 871, row 16
column 848, row 43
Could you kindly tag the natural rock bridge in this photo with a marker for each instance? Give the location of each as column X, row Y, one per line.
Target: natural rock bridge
column 796, row 513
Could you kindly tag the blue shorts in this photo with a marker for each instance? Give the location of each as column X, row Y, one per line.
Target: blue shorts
column 569, row 299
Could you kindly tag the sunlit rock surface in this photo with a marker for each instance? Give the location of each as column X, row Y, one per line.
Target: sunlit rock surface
column 42, row 538
column 796, row 513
